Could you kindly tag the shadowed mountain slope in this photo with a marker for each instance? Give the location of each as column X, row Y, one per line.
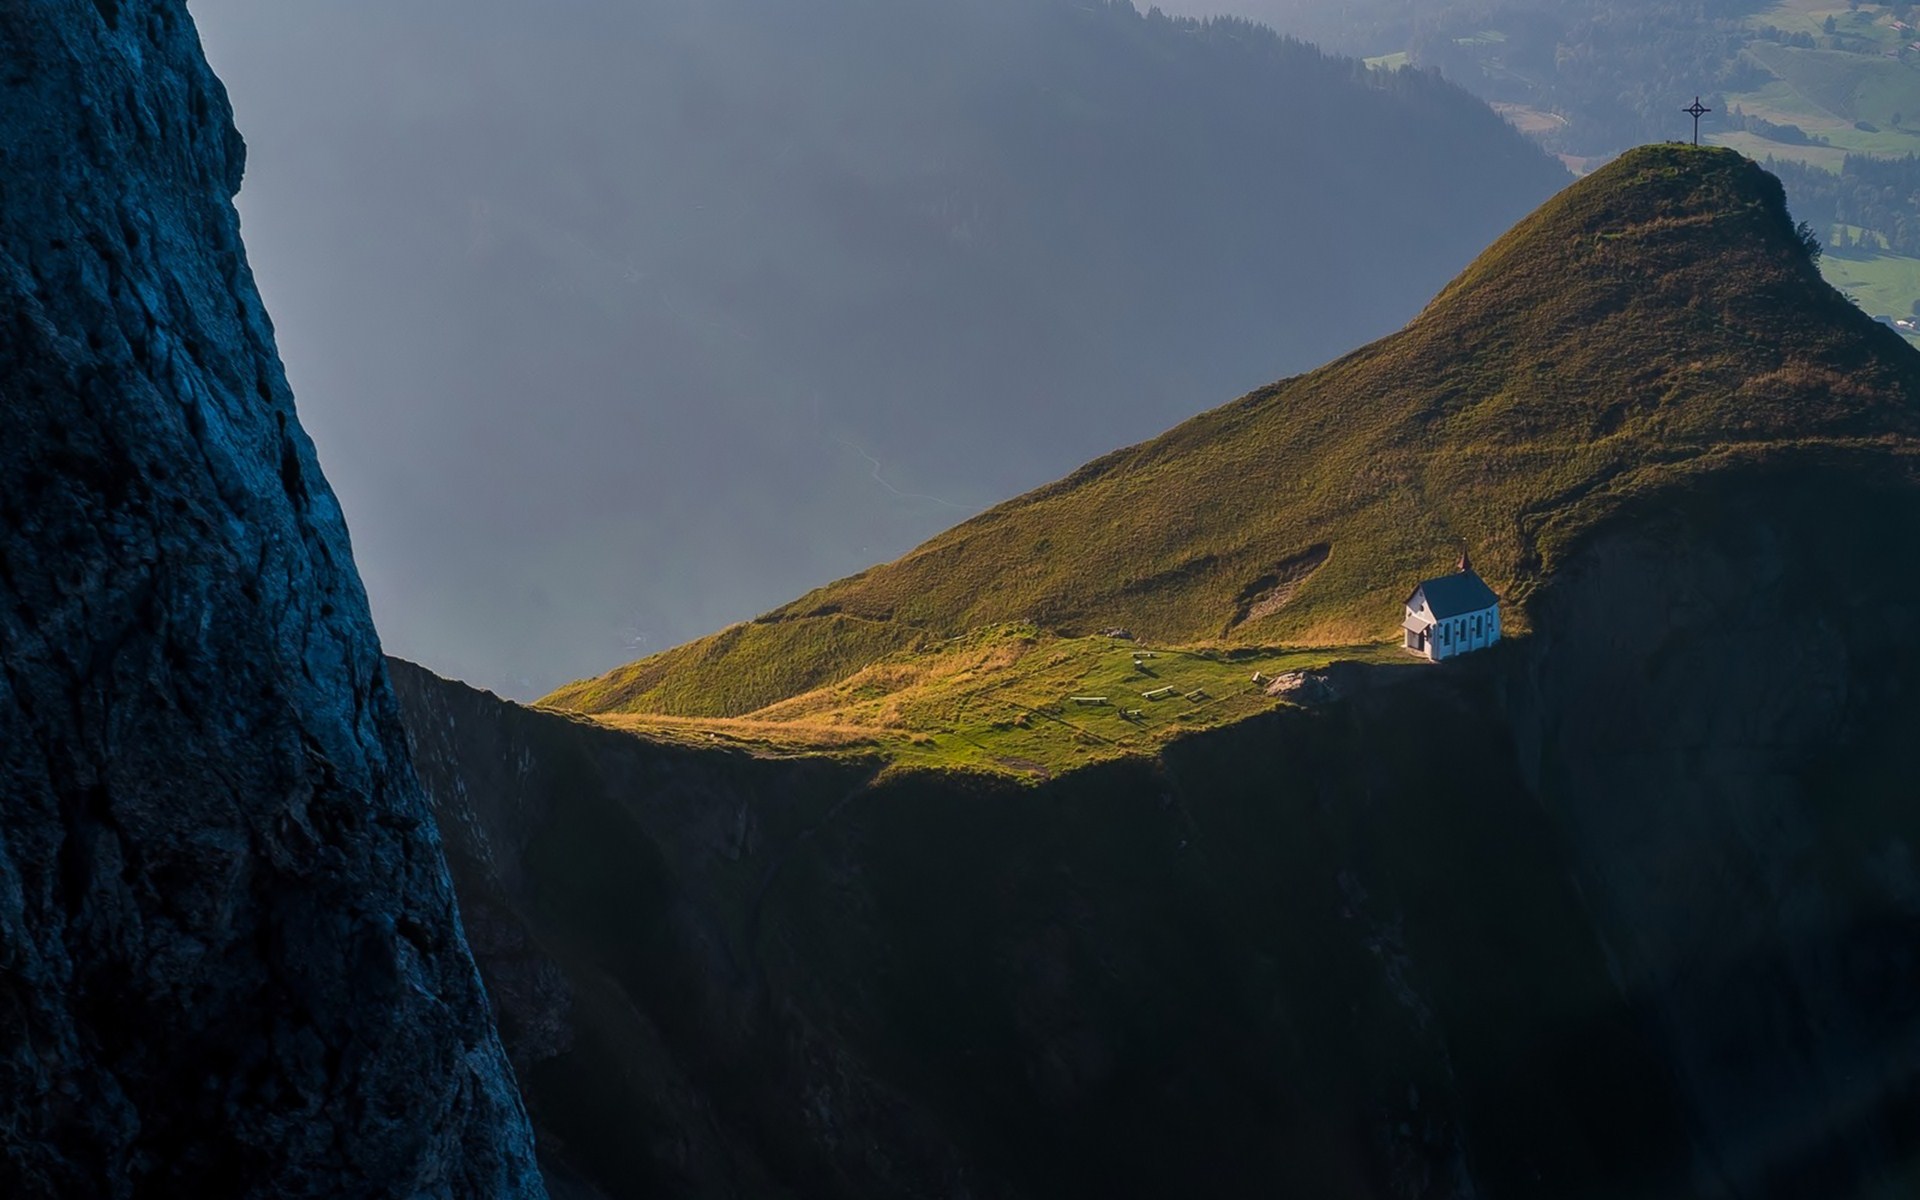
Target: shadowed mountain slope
column 1287, row 958
column 1656, row 323
column 1622, row 908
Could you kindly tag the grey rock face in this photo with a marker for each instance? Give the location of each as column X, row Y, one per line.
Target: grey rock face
column 230, row 961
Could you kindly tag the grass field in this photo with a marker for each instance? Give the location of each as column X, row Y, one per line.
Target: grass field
column 1013, row 699
column 1878, row 283
column 1858, row 102
column 1759, row 149
column 1530, row 121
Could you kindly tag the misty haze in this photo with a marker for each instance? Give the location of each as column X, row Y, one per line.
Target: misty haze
column 615, row 323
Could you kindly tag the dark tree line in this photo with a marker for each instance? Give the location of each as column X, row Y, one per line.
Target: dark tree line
column 1785, row 133
column 1879, row 195
column 1617, row 71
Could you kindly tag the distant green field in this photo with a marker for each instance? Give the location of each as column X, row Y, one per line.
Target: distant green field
column 1831, row 92
column 1867, row 29
column 1860, row 73
column 1886, row 284
column 1759, row 149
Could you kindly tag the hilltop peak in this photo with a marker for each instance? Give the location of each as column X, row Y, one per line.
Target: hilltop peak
column 1654, row 324
column 1671, row 185
column 1662, row 223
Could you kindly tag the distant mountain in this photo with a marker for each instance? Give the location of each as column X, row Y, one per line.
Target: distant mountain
column 617, row 324
column 1657, row 325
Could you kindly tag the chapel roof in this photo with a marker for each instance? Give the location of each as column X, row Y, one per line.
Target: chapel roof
column 1455, row 594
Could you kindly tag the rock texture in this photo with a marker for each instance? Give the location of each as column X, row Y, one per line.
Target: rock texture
column 230, row 961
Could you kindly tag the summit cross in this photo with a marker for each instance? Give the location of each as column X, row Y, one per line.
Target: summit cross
column 1696, row 110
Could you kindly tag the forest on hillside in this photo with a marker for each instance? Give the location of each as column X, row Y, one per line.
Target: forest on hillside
column 1615, row 71
column 888, row 261
column 1876, row 200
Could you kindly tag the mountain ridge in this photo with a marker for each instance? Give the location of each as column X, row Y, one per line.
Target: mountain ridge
column 1656, row 322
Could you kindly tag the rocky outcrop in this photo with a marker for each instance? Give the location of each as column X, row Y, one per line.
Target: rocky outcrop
column 230, row 961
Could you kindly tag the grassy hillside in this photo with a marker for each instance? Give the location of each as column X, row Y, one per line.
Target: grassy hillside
column 731, row 297
column 1010, row 699
column 1657, row 322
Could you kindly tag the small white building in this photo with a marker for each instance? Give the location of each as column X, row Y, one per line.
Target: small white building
column 1452, row 615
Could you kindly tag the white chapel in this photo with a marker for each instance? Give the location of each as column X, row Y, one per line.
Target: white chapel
column 1452, row 615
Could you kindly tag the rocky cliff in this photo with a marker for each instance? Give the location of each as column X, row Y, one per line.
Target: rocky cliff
column 230, row 960
column 1623, row 908
column 1326, row 953
column 1718, row 712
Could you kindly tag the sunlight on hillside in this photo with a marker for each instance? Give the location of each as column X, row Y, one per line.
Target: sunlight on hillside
column 1658, row 325
column 1017, row 700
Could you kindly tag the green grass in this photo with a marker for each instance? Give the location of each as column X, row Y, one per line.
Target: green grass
column 1657, row 322
column 1861, row 26
column 1012, row 699
column 1879, row 283
column 1826, row 92
column 739, row 669
column 1827, row 158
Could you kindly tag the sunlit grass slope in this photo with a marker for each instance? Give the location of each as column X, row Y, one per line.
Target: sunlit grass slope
column 1011, row 699
column 1657, row 321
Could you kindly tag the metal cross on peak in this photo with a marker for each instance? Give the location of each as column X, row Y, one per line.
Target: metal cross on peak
column 1696, row 110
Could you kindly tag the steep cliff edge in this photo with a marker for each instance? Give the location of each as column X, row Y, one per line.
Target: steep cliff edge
column 1626, row 907
column 230, row 961
column 1327, row 953
column 1719, row 710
